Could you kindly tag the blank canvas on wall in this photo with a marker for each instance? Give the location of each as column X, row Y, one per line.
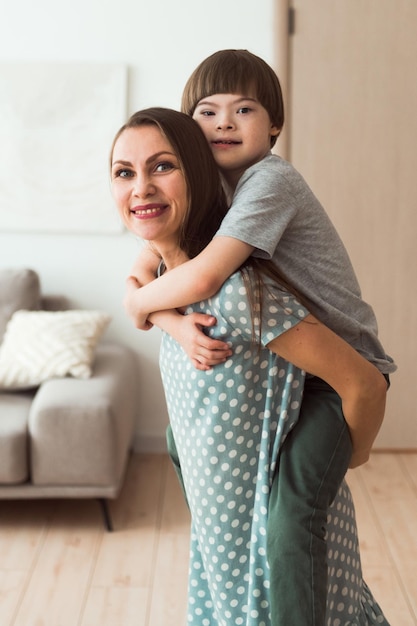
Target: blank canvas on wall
column 57, row 122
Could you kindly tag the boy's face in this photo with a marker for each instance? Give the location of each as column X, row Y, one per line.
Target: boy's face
column 238, row 129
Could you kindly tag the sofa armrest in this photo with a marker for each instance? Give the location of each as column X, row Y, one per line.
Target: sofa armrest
column 81, row 430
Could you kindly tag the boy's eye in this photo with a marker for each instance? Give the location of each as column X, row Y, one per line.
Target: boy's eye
column 244, row 110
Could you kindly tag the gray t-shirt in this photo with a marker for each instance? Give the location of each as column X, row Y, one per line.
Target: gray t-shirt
column 274, row 210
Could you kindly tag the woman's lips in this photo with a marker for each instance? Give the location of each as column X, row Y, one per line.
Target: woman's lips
column 148, row 210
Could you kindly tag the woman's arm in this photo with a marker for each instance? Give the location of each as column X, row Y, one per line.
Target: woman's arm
column 314, row 348
column 145, row 268
column 190, row 282
column 144, row 271
column 203, row 351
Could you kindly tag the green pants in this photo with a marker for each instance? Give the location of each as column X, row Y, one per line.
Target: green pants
column 311, row 466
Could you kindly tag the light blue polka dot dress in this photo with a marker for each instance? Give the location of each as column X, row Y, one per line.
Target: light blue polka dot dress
column 229, row 424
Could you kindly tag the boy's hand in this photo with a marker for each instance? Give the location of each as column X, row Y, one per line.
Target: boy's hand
column 132, row 288
column 203, row 351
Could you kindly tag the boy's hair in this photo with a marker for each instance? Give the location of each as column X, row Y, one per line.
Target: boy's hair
column 206, row 199
column 236, row 71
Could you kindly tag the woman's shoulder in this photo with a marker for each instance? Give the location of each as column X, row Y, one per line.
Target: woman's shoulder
column 232, row 290
column 247, row 285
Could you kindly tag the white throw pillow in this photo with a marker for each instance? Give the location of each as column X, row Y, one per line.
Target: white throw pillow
column 39, row 345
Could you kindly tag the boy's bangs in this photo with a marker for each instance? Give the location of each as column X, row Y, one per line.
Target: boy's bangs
column 236, row 81
column 220, row 76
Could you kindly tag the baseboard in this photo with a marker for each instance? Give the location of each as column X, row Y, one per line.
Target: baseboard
column 394, row 450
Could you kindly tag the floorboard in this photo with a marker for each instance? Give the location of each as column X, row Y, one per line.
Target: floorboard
column 60, row 567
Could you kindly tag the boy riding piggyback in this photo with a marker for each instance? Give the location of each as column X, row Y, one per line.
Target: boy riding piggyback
column 236, row 99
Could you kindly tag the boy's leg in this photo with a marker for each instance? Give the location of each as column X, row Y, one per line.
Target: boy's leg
column 312, row 464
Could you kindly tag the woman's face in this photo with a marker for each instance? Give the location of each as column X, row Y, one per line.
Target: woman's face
column 148, row 185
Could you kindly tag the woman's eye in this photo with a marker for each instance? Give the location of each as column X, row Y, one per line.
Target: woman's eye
column 123, row 173
column 164, row 167
column 207, row 113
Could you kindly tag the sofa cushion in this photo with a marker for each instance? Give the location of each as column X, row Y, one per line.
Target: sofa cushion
column 80, row 430
column 39, row 345
column 19, row 289
column 14, row 446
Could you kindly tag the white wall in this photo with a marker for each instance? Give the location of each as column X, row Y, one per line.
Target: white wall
column 161, row 42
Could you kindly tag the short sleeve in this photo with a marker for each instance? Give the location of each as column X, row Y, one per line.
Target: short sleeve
column 279, row 310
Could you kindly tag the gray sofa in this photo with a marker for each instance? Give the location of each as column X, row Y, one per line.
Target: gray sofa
column 68, row 437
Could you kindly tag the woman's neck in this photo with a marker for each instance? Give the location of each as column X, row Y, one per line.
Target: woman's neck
column 171, row 255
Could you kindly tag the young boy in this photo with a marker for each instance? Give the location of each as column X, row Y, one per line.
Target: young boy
column 236, row 99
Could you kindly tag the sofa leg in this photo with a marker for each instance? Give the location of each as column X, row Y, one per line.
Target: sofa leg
column 106, row 514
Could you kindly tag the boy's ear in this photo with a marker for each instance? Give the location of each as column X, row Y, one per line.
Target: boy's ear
column 275, row 131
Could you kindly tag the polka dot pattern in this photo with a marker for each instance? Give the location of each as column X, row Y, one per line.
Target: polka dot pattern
column 349, row 600
column 229, row 424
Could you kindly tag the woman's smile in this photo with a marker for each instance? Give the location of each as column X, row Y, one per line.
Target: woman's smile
column 149, row 210
column 148, row 185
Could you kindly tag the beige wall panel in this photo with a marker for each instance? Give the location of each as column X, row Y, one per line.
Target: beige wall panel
column 353, row 135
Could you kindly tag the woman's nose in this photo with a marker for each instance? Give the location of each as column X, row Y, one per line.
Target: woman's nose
column 143, row 187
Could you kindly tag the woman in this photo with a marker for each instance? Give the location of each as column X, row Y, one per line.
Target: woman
column 229, row 423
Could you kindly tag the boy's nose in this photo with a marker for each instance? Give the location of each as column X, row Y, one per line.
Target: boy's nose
column 224, row 123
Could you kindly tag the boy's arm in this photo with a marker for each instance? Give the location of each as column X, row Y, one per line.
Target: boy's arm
column 313, row 347
column 203, row 351
column 190, row 282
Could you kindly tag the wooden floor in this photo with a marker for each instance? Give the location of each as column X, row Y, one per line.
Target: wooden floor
column 59, row 567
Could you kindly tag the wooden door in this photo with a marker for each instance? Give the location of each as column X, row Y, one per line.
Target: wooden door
column 353, row 135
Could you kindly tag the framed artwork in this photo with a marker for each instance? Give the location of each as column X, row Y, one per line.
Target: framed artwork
column 57, row 122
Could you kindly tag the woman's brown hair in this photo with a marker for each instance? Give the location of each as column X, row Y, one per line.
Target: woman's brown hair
column 207, row 201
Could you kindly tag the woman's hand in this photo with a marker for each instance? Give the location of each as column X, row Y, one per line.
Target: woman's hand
column 362, row 388
column 359, row 458
column 203, row 351
column 131, row 306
